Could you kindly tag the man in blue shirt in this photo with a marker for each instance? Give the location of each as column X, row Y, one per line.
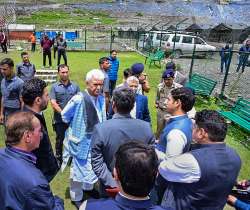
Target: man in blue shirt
column 61, row 92
column 113, row 71
column 61, row 49
column 11, row 87
column 244, row 55
column 224, row 57
column 176, row 137
column 135, row 172
column 23, row 186
column 25, row 70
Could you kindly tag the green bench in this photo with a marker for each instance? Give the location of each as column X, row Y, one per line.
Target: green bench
column 239, row 114
column 75, row 45
column 202, row 86
column 153, row 57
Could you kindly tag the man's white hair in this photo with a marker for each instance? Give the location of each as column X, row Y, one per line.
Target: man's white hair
column 132, row 79
column 95, row 74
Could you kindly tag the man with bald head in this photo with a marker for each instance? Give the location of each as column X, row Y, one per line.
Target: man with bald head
column 23, row 186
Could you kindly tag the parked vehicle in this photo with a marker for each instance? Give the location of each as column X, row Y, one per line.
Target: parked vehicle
column 184, row 43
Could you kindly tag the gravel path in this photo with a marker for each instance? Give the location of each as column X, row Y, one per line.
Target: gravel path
column 237, row 84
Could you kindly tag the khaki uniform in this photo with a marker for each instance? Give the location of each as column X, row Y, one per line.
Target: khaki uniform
column 161, row 96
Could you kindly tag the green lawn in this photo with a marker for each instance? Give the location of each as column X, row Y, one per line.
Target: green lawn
column 80, row 63
column 65, row 19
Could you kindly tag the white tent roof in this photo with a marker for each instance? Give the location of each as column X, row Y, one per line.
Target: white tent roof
column 21, row 27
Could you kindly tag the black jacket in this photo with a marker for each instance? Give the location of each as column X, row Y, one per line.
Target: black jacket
column 46, row 160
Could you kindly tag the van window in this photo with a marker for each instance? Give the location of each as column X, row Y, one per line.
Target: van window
column 199, row 41
column 142, row 37
column 176, row 39
column 187, row 39
column 163, row 37
column 158, row 37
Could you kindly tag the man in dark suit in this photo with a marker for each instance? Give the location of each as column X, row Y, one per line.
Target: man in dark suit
column 36, row 97
column 108, row 136
column 23, row 186
column 140, row 110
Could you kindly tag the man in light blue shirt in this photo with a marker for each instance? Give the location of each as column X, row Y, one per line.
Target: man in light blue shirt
column 82, row 113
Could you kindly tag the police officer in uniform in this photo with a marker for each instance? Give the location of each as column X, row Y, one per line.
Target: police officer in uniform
column 163, row 89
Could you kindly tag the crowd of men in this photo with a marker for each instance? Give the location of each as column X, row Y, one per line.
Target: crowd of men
column 104, row 134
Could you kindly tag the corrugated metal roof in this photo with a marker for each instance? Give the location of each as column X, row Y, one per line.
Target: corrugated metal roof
column 21, row 27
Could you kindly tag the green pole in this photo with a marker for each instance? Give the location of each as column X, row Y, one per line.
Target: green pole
column 85, row 38
column 174, row 38
column 161, row 36
column 192, row 62
column 227, row 71
column 111, row 39
column 137, row 40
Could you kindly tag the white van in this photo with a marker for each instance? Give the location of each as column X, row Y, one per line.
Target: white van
column 184, row 43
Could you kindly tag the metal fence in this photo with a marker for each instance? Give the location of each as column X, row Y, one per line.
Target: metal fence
column 232, row 85
column 89, row 39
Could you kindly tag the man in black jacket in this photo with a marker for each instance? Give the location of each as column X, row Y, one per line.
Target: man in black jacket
column 35, row 97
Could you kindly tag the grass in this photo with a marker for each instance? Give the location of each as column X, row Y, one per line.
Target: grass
column 32, row 2
column 65, row 19
column 80, row 63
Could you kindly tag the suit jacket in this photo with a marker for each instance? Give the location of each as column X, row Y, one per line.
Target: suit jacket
column 107, row 138
column 46, row 160
column 121, row 203
column 142, row 111
column 23, row 186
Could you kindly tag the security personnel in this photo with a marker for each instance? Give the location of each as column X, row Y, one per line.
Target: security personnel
column 137, row 71
column 61, row 92
column 163, row 89
column 25, row 70
column 11, row 88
